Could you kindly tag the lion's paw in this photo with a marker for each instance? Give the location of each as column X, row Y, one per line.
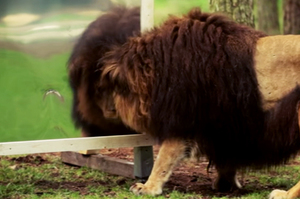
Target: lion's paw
column 278, row 194
column 144, row 189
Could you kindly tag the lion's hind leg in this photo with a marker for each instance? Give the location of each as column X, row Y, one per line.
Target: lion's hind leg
column 292, row 193
column 226, row 180
column 170, row 153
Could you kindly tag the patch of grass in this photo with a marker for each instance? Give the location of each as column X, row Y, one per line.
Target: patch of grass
column 45, row 176
column 51, row 178
column 282, row 177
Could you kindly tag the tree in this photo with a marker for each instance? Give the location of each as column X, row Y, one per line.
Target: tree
column 268, row 16
column 291, row 17
column 239, row 10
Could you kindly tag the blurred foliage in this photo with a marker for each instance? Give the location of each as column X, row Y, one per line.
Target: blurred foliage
column 162, row 8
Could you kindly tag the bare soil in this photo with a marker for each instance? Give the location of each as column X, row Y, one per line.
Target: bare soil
column 193, row 177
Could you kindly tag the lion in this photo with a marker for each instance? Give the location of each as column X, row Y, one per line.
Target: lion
column 203, row 85
column 110, row 29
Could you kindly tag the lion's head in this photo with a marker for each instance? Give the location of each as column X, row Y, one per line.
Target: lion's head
column 126, row 88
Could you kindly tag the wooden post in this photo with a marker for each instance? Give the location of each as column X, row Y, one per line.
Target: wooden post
column 143, row 156
column 143, row 162
column 147, row 18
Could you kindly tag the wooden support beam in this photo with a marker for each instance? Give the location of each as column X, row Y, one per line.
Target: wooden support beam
column 100, row 162
column 74, row 144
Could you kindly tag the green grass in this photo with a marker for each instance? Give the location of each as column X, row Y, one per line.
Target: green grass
column 26, row 113
column 50, row 178
column 27, row 179
column 281, row 176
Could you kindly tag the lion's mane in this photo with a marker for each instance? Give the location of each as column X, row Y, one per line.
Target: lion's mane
column 110, row 29
column 193, row 78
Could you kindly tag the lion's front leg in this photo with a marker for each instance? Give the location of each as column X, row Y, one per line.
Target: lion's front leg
column 293, row 193
column 170, row 153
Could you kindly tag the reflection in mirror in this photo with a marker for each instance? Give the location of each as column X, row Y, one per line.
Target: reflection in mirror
column 36, row 38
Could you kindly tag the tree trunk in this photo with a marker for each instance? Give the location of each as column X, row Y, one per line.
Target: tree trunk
column 268, row 16
column 291, row 17
column 238, row 10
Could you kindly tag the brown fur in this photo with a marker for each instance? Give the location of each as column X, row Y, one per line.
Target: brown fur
column 110, row 29
column 134, row 67
column 194, row 79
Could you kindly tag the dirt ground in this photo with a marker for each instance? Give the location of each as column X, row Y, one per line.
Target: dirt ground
column 188, row 177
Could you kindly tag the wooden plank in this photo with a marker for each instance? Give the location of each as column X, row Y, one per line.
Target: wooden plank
column 74, row 144
column 100, row 162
